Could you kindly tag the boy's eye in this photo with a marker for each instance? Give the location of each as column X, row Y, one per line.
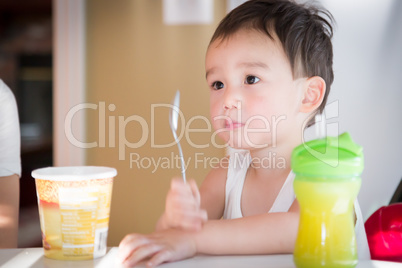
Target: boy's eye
column 217, row 85
column 251, row 79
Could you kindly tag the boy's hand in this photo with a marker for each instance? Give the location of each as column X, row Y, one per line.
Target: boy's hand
column 163, row 246
column 182, row 209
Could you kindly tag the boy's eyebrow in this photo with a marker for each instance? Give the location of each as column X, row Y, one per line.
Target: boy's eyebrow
column 209, row 71
column 258, row 64
column 251, row 64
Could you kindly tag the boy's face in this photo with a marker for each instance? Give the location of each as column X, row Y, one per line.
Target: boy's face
column 254, row 100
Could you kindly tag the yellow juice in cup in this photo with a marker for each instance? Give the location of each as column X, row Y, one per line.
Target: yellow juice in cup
column 326, row 236
column 74, row 206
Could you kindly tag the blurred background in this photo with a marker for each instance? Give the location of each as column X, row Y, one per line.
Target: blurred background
column 26, row 66
column 125, row 56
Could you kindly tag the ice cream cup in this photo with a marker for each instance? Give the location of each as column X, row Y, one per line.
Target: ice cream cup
column 74, row 207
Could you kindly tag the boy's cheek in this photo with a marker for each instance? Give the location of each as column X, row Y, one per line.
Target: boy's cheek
column 217, row 120
column 217, row 127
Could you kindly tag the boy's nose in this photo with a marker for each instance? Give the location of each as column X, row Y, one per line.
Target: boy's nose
column 231, row 100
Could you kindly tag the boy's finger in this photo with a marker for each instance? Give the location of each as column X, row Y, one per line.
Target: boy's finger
column 159, row 258
column 189, row 215
column 199, row 218
column 191, row 225
column 184, row 202
column 195, row 191
column 177, row 183
column 129, row 244
column 142, row 253
column 204, row 215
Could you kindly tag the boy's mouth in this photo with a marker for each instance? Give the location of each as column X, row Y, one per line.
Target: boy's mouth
column 230, row 124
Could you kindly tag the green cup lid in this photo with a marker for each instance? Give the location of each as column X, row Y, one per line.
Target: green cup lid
column 329, row 157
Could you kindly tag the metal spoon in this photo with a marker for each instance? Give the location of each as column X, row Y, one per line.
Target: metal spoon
column 173, row 121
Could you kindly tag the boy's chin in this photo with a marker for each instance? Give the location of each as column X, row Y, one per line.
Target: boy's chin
column 240, row 142
column 244, row 144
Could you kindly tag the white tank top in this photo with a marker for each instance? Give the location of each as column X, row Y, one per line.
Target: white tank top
column 239, row 162
column 238, row 165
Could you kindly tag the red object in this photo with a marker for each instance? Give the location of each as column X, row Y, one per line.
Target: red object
column 384, row 233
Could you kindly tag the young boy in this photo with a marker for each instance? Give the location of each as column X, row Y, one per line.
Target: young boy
column 269, row 69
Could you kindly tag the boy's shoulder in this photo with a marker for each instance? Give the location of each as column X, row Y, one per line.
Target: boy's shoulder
column 220, row 168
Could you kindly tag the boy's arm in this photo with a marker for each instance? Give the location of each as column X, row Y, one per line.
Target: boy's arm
column 212, row 192
column 268, row 233
column 9, row 207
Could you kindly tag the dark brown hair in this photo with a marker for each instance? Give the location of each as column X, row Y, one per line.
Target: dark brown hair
column 304, row 31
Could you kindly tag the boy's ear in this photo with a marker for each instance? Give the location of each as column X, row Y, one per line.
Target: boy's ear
column 313, row 95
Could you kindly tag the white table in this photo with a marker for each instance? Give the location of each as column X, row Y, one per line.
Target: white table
column 33, row 258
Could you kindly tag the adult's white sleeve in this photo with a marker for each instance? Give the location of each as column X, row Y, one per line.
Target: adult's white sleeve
column 10, row 143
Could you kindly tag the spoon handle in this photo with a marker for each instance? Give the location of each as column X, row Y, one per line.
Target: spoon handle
column 173, row 120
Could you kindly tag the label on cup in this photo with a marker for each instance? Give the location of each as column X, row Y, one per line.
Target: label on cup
column 84, row 220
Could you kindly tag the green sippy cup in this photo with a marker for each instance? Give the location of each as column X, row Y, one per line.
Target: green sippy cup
column 326, row 184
